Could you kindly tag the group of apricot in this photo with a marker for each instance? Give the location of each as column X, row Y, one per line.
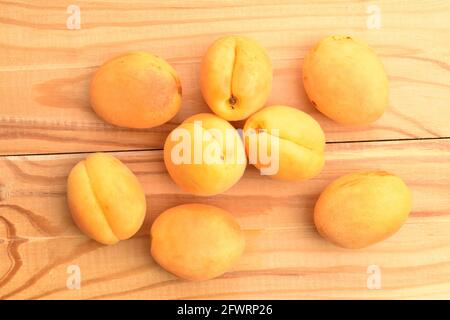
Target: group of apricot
column 343, row 78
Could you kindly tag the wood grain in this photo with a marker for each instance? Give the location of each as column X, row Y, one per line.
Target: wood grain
column 46, row 122
column 45, row 68
column 285, row 257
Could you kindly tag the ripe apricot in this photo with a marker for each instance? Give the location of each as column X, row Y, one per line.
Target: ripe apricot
column 205, row 155
column 235, row 77
column 345, row 80
column 196, row 241
column 105, row 199
column 360, row 209
column 136, row 90
column 291, row 137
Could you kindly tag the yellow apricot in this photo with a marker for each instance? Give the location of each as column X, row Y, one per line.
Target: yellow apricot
column 136, row 90
column 105, row 199
column 235, row 77
column 360, row 209
column 205, row 155
column 299, row 137
column 345, row 80
column 196, row 241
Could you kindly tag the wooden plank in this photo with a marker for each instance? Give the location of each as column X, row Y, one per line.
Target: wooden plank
column 285, row 257
column 45, row 68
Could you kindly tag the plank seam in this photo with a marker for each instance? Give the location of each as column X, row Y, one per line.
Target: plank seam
column 160, row 149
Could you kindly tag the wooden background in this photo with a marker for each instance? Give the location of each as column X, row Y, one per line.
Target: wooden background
column 46, row 126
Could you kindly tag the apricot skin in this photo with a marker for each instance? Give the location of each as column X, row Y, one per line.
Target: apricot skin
column 206, row 179
column 301, row 141
column 196, row 241
column 136, row 90
column 105, row 199
column 360, row 209
column 235, row 77
column 346, row 81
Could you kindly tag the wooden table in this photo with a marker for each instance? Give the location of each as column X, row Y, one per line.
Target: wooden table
column 47, row 125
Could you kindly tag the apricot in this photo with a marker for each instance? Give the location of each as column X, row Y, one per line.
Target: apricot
column 136, row 90
column 360, row 209
column 205, row 155
column 345, row 80
column 235, row 77
column 105, row 199
column 196, row 241
column 300, row 142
